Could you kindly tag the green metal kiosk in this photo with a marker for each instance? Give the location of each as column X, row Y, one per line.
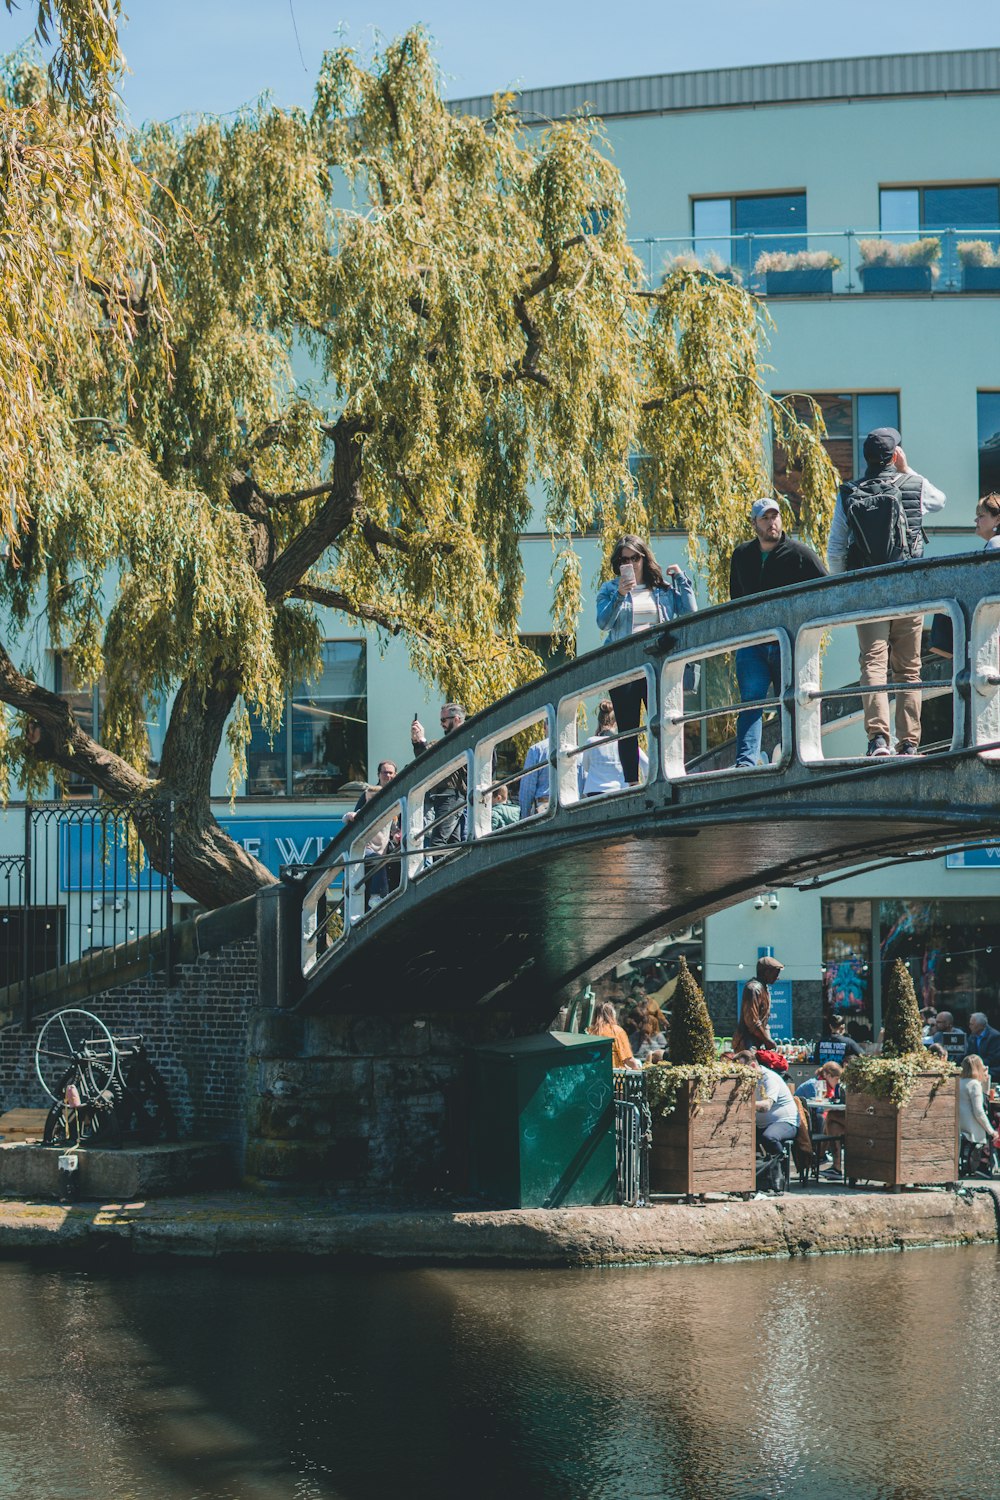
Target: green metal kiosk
column 543, row 1121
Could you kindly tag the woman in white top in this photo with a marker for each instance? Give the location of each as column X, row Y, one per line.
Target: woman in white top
column 988, row 522
column 601, row 769
column 973, row 1120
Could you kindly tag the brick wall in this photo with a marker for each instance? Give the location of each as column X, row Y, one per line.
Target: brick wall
column 195, row 1033
column 364, row 1105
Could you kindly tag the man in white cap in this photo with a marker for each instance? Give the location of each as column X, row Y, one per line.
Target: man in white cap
column 876, row 520
column 770, row 560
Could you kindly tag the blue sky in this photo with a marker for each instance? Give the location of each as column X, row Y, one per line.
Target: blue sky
column 215, row 55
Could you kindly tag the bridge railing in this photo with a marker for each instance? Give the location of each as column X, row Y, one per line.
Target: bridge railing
column 427, row 800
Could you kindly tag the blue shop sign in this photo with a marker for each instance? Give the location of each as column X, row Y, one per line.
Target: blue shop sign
column 987, row 858
column 86, row 864
column 780, row 1023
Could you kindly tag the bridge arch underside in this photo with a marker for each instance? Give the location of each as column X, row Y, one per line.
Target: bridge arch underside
column 520, row 921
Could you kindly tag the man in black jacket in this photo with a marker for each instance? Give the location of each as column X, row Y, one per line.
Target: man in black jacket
column 771, row 560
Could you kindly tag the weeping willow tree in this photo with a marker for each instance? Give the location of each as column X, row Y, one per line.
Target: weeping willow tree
column 479, row 345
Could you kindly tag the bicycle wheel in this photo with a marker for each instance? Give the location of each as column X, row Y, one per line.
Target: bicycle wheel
column 75, row 1039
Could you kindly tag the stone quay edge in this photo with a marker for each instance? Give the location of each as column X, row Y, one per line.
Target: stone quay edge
column 241, row 1223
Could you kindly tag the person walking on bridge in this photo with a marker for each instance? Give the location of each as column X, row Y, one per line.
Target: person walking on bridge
column 878, row 519
column 638, row 598
column 770, row 560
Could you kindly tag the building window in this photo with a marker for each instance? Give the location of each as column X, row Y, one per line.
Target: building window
column 947, row 946
column 322, row 742
column 907, row 213
column 848, row 421
column 988, row 420
column 87, row 707
column 733, row 229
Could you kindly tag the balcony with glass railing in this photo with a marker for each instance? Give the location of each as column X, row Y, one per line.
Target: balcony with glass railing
column 832, row 262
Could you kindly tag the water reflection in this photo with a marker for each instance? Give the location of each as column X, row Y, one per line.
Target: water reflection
column 848, row 1378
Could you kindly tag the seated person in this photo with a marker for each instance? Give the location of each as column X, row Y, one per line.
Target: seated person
column 835, row 1045
column 832, row 1125
column 503, row 812
column 947, row 1035
column 777, row 1116
column 813, row 1087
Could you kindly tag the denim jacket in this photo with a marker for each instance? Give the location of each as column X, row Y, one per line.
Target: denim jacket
column 614, row 610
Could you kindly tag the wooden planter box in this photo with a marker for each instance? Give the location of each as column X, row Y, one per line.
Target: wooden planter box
column 896, row 278
column 811, row 281
column 915, row 1143
column 705, row 1145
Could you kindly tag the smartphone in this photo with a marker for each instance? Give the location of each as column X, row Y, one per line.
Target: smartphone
column 627, row 572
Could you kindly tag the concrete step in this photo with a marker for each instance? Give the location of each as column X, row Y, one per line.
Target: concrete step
column 29, row 1170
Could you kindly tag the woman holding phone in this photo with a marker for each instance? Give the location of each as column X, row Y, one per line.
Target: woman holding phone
column 635, row 599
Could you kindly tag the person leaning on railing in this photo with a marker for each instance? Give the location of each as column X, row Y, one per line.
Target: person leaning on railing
column 638, row 598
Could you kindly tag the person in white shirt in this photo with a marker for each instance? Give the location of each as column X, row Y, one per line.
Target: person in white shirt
column 777, row 1116
column 601, row 768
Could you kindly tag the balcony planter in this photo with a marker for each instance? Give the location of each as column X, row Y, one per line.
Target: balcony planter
column 808, row 282
column 981, row 278
column 707, row 1141
column 915, row 1142
column 897, row 278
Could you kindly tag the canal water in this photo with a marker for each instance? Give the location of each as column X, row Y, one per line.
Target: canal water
column 843, row 1378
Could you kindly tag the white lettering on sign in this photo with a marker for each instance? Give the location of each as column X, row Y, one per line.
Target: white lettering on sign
column 252, row 846
column 292, row 854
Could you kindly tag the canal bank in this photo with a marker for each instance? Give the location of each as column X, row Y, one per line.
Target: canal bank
column 244, row 1224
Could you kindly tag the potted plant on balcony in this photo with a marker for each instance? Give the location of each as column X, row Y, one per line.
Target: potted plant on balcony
column 980, row 265
column 704, row 1137
column 902, row 1108
column 798, row 273
column 890, row 267
column 712, row 265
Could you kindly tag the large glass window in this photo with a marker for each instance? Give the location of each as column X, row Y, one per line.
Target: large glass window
column 988, row 419
column 949, row 946
column 950, row 950
column 322, row 742
column 912, row 211
column 87, row 706
column 730, row 227
column 971, row 211
column 848, row 419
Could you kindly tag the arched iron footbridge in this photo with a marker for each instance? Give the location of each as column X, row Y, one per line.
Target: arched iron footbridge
column 521, row 915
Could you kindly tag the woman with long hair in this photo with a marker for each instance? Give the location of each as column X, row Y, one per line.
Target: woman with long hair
column 973, row 1086
column 638, row 598
column 606, row 1024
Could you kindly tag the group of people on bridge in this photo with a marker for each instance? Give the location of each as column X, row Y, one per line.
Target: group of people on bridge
column 877, row 519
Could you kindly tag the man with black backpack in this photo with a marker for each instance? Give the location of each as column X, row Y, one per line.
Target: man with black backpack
column 878, row 519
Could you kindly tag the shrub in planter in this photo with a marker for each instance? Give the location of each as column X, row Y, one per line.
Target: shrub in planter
column 793, row 273
column 703, row 1113
column 887, row 266
column 902, row 1108
column 712, row 265
column 980, row 262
